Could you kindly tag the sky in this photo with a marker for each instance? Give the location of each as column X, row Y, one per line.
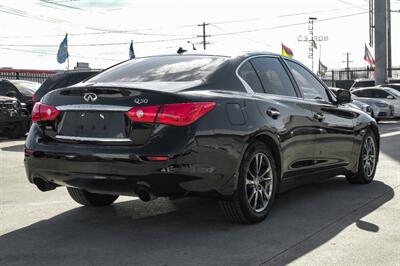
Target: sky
column 100, row 32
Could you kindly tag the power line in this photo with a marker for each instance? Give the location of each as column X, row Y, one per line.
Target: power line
column 97, row 44
column 53, row 54
column 287, row 25
column 131, row 31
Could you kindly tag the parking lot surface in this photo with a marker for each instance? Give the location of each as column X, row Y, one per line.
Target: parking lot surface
column 325, row 223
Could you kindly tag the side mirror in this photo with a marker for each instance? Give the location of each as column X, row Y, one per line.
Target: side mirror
column 390, row 97
column 11, row 94
column 343, row 96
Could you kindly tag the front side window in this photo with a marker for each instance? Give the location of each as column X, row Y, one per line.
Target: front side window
column 274, row 77
column 248, row 74
column 309, row 85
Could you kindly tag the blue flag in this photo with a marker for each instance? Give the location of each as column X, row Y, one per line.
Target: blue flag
column 62, row 53
column 131, row 51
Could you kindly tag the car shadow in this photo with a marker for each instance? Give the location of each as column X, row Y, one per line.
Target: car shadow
column 194, row 232
column 14, row 148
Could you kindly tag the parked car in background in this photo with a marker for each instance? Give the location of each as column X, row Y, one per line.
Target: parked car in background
column 355, row 103
column 23, row 90
column 362, row 83
column 395, row 86
column 388, row 95
column 61, row 80
column 380, row 109
column 14, row 118
column 240, row 129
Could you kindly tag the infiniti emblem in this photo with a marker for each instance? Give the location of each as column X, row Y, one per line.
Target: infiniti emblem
column 90, row 97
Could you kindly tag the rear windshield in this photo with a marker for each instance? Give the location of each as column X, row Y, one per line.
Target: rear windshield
column 161, row 68
column 26, row 88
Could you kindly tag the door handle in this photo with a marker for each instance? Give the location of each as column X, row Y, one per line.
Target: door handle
column 273, row 113
column 319, row 117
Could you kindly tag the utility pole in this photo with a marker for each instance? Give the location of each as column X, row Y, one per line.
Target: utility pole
column 347, row 64
column 204, row 34
column 389, row 39
column 380, row 14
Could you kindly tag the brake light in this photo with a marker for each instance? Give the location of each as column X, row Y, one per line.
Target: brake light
column 179, row 114
column 145, row 114
column 157, row 158
column 41, row 112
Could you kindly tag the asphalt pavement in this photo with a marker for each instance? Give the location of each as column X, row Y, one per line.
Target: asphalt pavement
column 325, row 223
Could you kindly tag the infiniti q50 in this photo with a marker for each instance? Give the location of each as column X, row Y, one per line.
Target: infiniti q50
column 240, row 129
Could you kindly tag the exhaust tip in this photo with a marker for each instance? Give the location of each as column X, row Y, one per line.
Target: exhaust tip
column 43, row 185
column 145, row 194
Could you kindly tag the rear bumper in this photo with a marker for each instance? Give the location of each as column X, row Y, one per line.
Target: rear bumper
column 193, row 169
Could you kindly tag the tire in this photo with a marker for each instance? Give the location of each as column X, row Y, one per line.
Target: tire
column 86, row 198
column 366, row 174
column 18, row 131
column 243, row 208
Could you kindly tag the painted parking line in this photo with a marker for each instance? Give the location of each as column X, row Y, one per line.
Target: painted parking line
column 390, row 134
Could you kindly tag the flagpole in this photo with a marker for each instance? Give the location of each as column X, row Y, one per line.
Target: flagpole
column 68, row 63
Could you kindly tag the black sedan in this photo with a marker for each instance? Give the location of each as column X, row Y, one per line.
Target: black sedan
column 239, row 129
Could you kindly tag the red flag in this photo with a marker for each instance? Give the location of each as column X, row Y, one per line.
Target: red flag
column 368, row 57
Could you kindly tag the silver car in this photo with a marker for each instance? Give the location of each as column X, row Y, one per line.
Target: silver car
column 354, row 103
column 387, row 95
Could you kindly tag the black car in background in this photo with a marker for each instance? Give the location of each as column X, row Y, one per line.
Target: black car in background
column 239, row 129
column 23, row 90
column 14, row 118
column 61, row 80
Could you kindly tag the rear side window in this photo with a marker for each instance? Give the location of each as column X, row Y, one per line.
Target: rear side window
column 248, row 74
column 362, row 93
column 274, row 77
column 309, row 85
column 161, row 68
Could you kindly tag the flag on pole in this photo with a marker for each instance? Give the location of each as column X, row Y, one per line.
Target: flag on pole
column 131, row 51
column 322, row 69
column 62, row 53
column 368, row 57
column 286, row 51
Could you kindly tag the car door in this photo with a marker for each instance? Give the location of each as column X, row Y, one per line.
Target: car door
column 286, row 114
column 334, row 123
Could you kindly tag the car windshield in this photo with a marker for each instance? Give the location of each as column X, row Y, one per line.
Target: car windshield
column 27, row 88
column 161, row 68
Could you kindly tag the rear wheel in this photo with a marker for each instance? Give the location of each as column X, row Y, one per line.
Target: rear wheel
column 367, row 161
column 256, row 189
column 86, row 198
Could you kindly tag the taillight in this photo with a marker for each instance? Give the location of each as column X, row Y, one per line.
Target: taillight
column 41, row 112
column 178, row 114
column 145, row 114
column 33, row 99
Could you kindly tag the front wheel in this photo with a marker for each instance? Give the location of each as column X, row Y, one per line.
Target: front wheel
column 256, row 188
column 367, row 162
column 86, row 198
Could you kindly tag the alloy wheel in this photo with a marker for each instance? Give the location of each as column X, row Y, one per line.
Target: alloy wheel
column 369, row 156
column 259, row 182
